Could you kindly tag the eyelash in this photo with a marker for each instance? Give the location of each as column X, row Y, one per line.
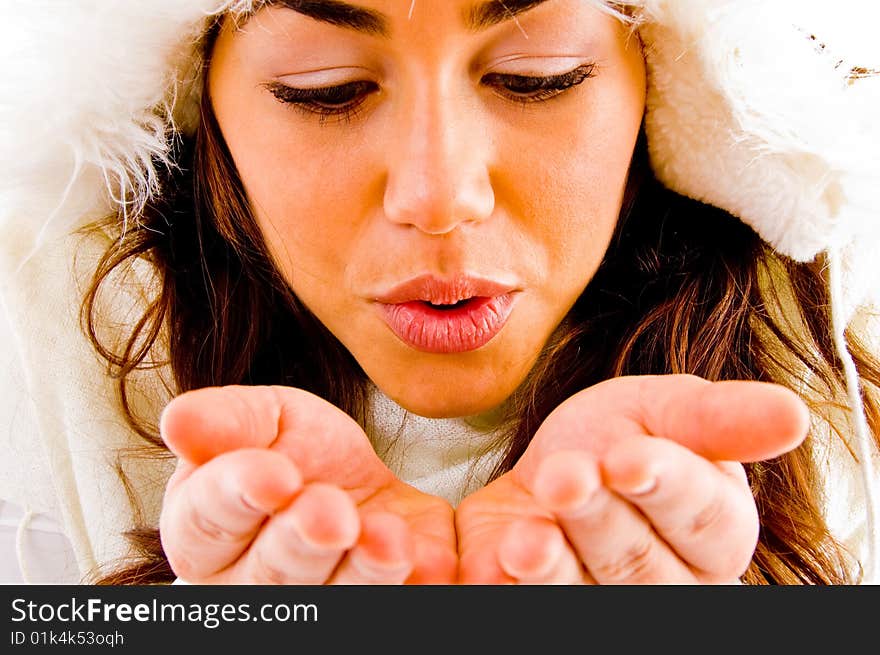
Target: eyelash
column 345, row 101
column 538, row 89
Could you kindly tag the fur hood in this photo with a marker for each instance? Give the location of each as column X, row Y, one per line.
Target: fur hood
column 768, row 110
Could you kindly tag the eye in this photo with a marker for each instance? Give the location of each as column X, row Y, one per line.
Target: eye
column 341, row 102
column 527, row 88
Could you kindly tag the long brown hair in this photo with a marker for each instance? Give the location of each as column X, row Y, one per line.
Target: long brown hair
column 683, row 288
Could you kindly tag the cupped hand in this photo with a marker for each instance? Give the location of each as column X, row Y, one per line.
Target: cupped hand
column 277, row 486
column 637, row 480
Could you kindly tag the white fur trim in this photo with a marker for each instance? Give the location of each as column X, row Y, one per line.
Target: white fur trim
column 748, row 113
column 86, row 102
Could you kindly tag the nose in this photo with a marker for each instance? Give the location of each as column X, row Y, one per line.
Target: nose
column 438, row 164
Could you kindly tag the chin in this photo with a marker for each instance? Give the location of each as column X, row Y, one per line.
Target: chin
column 451, row 386
column 451, row 409
column 451, row 402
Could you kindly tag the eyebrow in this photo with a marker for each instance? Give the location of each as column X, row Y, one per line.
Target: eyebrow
column 493, row 12
column 342, row 14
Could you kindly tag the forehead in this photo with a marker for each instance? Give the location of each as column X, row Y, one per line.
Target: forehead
column 375, row 16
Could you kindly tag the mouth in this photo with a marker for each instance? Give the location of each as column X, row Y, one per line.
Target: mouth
column 447, row 316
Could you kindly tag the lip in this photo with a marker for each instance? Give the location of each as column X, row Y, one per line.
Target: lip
column 482, row 307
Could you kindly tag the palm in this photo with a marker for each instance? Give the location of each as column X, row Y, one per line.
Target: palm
column 634, row 480
column 482, row 521
column 326, row 446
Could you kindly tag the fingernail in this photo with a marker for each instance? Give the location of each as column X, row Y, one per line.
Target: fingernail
column 644, row 487
column 310, row 548
column 250, row 505
column 370, row 568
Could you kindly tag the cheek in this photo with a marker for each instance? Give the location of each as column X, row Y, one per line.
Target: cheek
column 569, row 173
column 307, row 202
column 592, row 179
column 592, row 150
column 570, row 199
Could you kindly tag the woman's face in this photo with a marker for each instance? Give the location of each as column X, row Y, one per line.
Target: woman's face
column 437, row 181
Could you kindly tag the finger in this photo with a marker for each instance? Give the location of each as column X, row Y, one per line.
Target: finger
column 535, row 551
column 703, row 510
column 384, row 553
column 742, row 421
column 304, row 543
column 481, row 566
column 209, row 518
column 613, row 540
column 203, row 423
column 481, row 521
column 321, row 439
column 430, row 522
column 436, row 562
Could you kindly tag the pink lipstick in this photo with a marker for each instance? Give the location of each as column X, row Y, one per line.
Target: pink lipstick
column 447, row 316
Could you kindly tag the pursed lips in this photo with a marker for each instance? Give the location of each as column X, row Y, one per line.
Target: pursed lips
column 447, row 315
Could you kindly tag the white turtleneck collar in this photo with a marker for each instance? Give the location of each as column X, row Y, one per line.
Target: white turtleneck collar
column 446, row 457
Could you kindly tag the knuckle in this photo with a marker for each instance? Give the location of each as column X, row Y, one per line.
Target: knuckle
column 734, row 559
column 184, row 565
column 730, row 529
column 709, row 517
column 630, row 565
column 207, row 529
column 727, row 570
column 266, row 572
